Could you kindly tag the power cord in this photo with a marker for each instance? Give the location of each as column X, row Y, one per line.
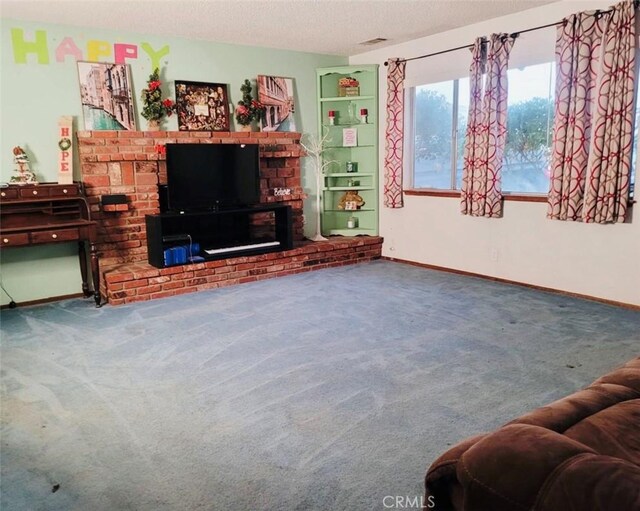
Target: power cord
column 12, row 303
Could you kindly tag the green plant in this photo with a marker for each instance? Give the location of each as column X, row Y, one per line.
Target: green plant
column 248, row 109
column 154, row 107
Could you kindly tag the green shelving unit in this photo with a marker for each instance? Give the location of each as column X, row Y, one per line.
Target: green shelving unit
column 337, row 180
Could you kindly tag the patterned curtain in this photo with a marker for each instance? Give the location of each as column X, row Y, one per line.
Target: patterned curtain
column 609, row 166
column 593, row 126
column 486, row 128
column 394, row 134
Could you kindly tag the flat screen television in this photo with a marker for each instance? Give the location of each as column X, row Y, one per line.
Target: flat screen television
column 212, row 176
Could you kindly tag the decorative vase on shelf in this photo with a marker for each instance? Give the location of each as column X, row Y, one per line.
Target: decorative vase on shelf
column 153, row 125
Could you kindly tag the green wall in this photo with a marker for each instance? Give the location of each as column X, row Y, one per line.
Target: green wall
column 35, row 93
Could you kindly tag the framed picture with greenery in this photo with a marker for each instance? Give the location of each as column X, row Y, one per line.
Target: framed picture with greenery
column 202, row 106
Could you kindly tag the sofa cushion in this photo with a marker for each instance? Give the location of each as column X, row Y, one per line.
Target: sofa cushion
column 614, row 431
column 591, row 482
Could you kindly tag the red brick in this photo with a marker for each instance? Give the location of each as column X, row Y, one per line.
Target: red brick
column 146, row 179
column 142, row 141
column 163, row 294
column 91, row 142
column 129, row 244
column 138, row 298
column 196, row 282
column 135, row 283
column 96, row 180
column 106, row 150
column 94, row 168
column 149, row 289
column 155, row 135
column 114, row 207
column 144, row 274
column 159, row 280
column 173, row 285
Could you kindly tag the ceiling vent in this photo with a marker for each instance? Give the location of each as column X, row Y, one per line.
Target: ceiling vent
column 371, row 42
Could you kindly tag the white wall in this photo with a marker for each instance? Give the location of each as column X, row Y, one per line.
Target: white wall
column 596, row 260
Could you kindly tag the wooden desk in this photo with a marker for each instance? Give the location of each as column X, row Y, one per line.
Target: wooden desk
column 50, row 213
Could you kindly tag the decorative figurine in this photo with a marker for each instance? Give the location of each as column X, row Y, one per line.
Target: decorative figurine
column 23, row 175
column 351, row 196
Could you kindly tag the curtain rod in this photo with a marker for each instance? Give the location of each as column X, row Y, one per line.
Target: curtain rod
column 513, row 34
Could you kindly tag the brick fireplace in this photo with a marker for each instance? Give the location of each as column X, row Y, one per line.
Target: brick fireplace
column 132, row 163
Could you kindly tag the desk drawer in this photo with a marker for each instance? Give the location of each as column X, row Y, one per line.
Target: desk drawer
column 14, row 240
column 8, row 193
column 34, row 192
column 63, row 191
column 55, row 235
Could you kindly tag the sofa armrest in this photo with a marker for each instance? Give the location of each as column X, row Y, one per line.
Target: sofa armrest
column 505, row 470
column 441, row 483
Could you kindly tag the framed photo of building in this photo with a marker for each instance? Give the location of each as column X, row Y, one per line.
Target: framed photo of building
column 276, row 94
column 202, row 106
column 106, row 95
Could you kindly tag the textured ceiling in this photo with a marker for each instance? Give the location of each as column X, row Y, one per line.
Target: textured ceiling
column 319, row 26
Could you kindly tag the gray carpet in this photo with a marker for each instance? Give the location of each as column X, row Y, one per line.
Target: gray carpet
column 322, row 391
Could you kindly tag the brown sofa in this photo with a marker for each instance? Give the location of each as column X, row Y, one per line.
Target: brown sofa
column 580, row 453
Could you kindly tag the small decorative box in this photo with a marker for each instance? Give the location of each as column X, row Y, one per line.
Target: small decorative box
column 348, row 87
column 349, row 91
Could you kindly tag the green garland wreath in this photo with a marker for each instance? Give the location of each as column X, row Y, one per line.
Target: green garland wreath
column 64, row 144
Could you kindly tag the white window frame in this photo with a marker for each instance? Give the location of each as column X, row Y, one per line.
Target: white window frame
column 409, row 138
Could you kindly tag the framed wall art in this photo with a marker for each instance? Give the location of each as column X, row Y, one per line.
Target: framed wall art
column 105, row 92
column 276, row 94
column 202, row 106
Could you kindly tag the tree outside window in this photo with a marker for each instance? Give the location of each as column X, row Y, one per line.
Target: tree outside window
column 440, row 112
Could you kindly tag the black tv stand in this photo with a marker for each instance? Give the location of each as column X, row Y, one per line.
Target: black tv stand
column 221, row 234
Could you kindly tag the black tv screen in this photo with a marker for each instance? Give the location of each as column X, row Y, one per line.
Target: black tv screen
column 207, row 176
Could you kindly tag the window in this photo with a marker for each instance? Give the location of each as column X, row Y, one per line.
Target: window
column 440, row 117
column 439, row 123
column 527, row 153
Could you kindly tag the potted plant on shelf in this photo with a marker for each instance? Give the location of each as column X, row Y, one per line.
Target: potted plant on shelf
column 249, row 111
column 154, row 107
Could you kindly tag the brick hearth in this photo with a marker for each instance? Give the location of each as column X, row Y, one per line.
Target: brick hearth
column 135, row 282
column 132, row 163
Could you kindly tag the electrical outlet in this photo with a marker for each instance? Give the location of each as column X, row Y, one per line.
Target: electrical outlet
column 495, row 255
